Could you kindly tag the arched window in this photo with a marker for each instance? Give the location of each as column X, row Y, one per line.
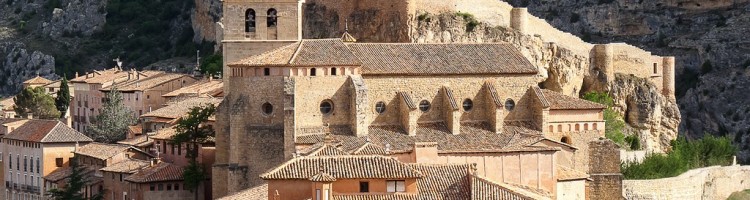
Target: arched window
column 250, row 20
column 578, row 127
column 551, row 128
column 569, row 129
column 313, row 72
column 565, row 139
column 333, row 71
column 559, row 128
column 585, row 127
column 595, row 128
column 271, row 17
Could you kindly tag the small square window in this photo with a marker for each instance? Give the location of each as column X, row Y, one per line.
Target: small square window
column 364, row 187
column 152, row 187
column 59, row 162
column 169, row 187
column 161, row 187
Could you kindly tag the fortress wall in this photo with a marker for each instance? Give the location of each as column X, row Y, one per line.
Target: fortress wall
column 704, row 183
column 429, row 88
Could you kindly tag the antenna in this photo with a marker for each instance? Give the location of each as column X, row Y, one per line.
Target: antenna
column 346, row 25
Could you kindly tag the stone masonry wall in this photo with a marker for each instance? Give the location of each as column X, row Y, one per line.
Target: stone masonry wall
column 704, row 183
column 604, row 169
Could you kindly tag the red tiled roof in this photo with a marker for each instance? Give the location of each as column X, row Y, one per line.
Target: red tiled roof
column 179, row 108
column 160, row 172
column 127, row 166
column 559, row 101
column 346, row 167
column 46, row 131
column 204, row 86
column 37, row 80
column 101, row 151
column 136, row 129
column 258, row 192
column 317, row 52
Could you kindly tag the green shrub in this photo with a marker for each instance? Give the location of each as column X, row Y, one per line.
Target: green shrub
column 633, row 142
column 470, row 20
column 685, row 155
column 424, row 17
column 614, row 121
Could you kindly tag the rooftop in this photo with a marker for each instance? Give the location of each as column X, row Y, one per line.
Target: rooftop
column 46, row 131
column 559, row 101
column 127, row 166
column 180, row 108
column 204, row 86
column 474, row 137
column 397, row 58
column 148, row 82
column 38, row 80
column 63, row 173
column 101, row 151
column 161, row 171
column 138, row 141
column 343, row 167
column 257, row 192
column 7, row 104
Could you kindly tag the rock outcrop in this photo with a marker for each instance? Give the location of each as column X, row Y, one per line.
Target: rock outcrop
column 204, row 18
column 76, row 17
column 19, row 64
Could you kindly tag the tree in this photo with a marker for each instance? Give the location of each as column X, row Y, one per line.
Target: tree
column 74, row 186
column 212, row 65
column 192, row 131
column 63, row 98
column 37, row 102
column 111, row 124
column 613, row 120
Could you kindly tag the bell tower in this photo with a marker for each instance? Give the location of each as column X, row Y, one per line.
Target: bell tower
column 248, row 28
column 251, row 27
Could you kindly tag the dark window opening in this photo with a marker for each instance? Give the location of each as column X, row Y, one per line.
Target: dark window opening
column 152, row 187
column 424, row 105
column 510, row 104
column 655, row 67
column 364, row 187
column 312, row 72
column 267, row 108
column 266, row 71
column 380, row 107
column 333, row 71
column 271, row 17
column 565, row 140
column 59, row 162
column 468, row 104
column 250, row 20
column 326, row 107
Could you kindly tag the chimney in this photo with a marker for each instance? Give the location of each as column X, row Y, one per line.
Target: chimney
column 130, row 74
column 137, row 75
column 76, row 74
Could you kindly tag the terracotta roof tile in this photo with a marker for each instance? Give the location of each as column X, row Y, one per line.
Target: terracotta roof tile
column 482, row 188
column 559, row 101
column 138, row 141
column 46, row 131
column 136, row 129
column 326, row 150
column 444, row 181
column 490, row 85
column 179, row 108
column 397, row 58
column 8, row 104
column 165, row 133
column 369, row 148
column 540, row 96
column 127, row 166
column 257, row 192
column 451, row 99
column 37, row 80
column 160, row 172
column 473, row 137
column 149, row 82
column 412, row 58
column 315, row 52
column 345, row 167
column 205, row 87
column 101, row 151
column 407, row 99
column 322, row 177
column 63, row 173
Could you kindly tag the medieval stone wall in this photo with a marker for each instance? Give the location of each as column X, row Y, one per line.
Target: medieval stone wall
column 604, row 170
column 704, row 183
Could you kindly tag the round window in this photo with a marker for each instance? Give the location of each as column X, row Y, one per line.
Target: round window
column 326, row 107
column 424, row 105
column 510, row 104
column 468, row 104
column 380, row 107
column 267, row 108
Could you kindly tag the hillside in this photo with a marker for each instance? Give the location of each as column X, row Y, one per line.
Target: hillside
column 708, row 38
column 53, row 38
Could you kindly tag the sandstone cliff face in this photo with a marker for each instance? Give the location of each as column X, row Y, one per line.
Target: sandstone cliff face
column 711, row 98
column 654, row 117
column 204, row 18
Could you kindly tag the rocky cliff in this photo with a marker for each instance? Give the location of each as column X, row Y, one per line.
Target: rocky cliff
column 23, row 64
column 708, row 37
column 650, row 115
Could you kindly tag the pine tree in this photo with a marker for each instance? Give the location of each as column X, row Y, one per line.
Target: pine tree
column 192, row 130
column 37, row 102
column 63, row 98
column 111, row 124
column 74, row 186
